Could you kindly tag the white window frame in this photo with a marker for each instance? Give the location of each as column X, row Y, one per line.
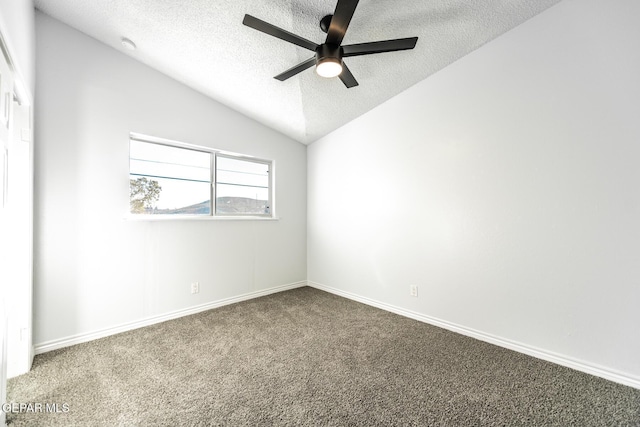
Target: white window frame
column 214, row 154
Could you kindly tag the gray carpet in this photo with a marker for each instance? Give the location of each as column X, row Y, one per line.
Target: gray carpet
column 305, row 357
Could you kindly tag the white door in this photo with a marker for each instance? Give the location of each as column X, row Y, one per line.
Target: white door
column 16, row 219
column 6, row 86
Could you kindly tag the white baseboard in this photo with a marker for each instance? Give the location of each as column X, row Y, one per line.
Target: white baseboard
column 549, row 356
column 90, row 336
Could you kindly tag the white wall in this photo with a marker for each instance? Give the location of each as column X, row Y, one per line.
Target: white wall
column 505, row 186
column 96, row 270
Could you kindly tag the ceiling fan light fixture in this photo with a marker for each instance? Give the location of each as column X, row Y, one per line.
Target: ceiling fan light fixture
column 328, row 60
column 329, row 67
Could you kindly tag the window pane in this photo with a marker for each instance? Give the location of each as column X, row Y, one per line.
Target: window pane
column 148, row 159
column 175, row 197
column 242, row 187
column 242, row 172
column 242, row 200
column 169, row 180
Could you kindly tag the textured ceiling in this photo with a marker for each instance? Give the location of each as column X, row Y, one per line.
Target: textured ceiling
column 203, row 44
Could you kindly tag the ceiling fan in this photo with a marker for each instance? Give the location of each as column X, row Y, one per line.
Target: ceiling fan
column 328, row 57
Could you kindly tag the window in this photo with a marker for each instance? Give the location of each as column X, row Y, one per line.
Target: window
column 242, row 186
column 169, row 178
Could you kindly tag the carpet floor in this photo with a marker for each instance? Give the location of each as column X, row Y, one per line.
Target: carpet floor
column 306, row 357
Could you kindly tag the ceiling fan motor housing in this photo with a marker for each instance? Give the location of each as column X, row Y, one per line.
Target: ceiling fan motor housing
column 328, row 52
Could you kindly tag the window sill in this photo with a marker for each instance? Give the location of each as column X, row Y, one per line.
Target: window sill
column 196, row 218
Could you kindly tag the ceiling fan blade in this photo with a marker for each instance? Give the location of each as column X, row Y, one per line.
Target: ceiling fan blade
column 340, row 21
column 274, row 31
column 296, row 69
column 347, row 78
column 379, row 47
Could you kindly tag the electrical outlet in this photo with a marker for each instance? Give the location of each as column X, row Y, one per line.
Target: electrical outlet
column 195, row 287
column 413, row 290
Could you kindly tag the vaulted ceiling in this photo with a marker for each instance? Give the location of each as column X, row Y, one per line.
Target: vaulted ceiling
column 203, row 44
